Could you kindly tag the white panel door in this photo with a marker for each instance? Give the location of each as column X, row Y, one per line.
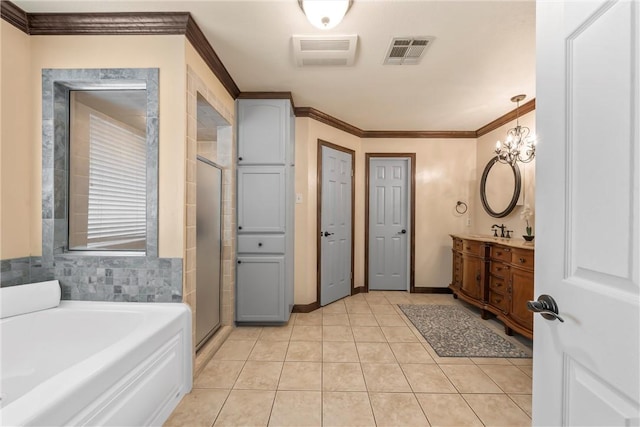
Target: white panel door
column 587, row 369
column 388, row 224
column 335, row 273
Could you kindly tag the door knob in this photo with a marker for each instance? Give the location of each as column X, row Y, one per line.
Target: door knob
column 326, row 233
column 403, row 231
column 546, row 306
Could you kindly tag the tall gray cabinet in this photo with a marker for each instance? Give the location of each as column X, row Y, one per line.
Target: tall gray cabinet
column 264, row 279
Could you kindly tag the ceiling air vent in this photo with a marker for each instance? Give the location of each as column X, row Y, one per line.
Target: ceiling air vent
column 407, row 50
column 311, row 51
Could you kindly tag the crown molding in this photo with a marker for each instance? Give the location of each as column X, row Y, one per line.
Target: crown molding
column 442, row 134
column 14, row 15
column 267, row 95
column 325, row 118
column 509, row 117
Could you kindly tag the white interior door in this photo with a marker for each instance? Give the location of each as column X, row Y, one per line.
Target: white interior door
column 587, row 369
column 388, row 224
column 335, row 230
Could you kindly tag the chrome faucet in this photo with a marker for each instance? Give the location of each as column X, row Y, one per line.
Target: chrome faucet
column 495, row 228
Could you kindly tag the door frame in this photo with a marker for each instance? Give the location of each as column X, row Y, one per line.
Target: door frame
column 411, row 211
column 322, row 143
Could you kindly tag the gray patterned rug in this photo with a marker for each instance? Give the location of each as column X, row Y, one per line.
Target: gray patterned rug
column 454, row 332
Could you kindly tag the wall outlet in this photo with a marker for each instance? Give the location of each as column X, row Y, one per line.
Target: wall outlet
column 468, row 222
column 298, row 198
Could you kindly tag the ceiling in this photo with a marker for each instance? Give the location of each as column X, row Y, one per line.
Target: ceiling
column 483, row 54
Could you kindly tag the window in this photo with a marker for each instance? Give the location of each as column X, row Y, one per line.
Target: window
column 107, row 179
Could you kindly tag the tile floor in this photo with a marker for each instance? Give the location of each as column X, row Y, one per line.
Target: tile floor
column 356, row 362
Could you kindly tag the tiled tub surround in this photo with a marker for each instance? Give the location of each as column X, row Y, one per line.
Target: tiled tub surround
column 83, row 276
column 131, row 279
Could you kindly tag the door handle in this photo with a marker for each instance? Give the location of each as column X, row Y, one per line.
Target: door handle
column 546, row 306
column 326, row 234
column 403, row 231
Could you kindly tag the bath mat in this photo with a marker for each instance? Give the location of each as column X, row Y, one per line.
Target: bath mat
column 454, row 332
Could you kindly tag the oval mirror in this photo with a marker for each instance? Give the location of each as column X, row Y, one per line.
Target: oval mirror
column 500, row 188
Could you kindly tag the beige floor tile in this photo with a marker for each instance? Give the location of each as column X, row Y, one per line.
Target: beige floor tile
column 335, row 319
column 362, row 320
column 309, row 319
column 259, row 376
column 358, row 308
column 470, row 379
column 306, row 333
column 297, row 408
column 384, row 377
column 522, row 361
column 246, row 408
column 301, row 376
column 397, row 409
column 390, row 320
column 410, row 352
column 398, row 299
column 374, row 299
column 339, row 352
column 273, row 351
column 523, row 401
column 219, row 374
column 509, row 378
column 382, row 309
column 368, row 334
column 198, row 408
column 427, row 378
column 342, row 377
column 354, row 298
column 337, row 333
column 490, row 361
column 337, row 307
column 398, row 334
column 276, row 333
column 497, row 410
column 370, row 352
column 234, row 350
column 449, row 410
column 243, row 333
column 528, row 370
column 304, row 351
column 346, row 409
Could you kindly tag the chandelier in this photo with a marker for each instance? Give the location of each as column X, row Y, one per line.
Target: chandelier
column 520, row 145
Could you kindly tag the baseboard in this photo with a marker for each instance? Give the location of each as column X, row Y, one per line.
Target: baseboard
column 306, row 308
column 358, row 290
column 430, row 290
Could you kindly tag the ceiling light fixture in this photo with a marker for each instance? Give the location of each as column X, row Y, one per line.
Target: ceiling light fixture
column 325, row 14
column 520, row 145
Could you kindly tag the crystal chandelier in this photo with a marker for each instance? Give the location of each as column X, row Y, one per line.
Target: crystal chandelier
column 520, row 145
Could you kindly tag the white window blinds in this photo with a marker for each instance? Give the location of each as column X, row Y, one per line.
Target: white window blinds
column 117, row 185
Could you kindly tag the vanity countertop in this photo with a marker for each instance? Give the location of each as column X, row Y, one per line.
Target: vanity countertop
column 516, row 242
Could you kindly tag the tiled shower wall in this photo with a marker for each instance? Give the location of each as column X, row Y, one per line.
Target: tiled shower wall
column 224, row 157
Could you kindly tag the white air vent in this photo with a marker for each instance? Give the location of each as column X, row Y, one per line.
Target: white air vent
column 407, row 50
column 310, row 51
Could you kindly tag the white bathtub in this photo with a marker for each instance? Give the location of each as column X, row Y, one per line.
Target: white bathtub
column 95, row 363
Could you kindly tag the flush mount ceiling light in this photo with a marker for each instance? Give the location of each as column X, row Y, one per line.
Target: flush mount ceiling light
column 325, row 14
column 520, row 145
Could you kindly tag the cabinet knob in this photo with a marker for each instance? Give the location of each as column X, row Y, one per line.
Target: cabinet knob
column 239, row 159
column 260, row 245
column 240, row 227
column 239, row 262
column 522, row 260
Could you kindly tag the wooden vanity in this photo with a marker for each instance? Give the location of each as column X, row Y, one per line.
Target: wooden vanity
column 495, row 275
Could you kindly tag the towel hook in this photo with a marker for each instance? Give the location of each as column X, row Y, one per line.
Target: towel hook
column 461, row 207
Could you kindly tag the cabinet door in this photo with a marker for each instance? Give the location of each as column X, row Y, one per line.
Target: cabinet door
column 261, row 199
column 471, row 275
column 263, row 131
column 260, row 287
column 521, row 292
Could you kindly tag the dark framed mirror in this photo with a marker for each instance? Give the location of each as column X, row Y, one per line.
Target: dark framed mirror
column 500, row 188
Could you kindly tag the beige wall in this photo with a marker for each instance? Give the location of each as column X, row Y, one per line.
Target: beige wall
column 445, row 173
column 16, row 150
column 164, row 52
column 482, row 222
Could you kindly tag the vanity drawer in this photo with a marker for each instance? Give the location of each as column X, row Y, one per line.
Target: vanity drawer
column 500, row 269
column 502, row 253
column 498, row 284
column 498, row 301
column 261, row 244
column 472, row 247
column 522, row 258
